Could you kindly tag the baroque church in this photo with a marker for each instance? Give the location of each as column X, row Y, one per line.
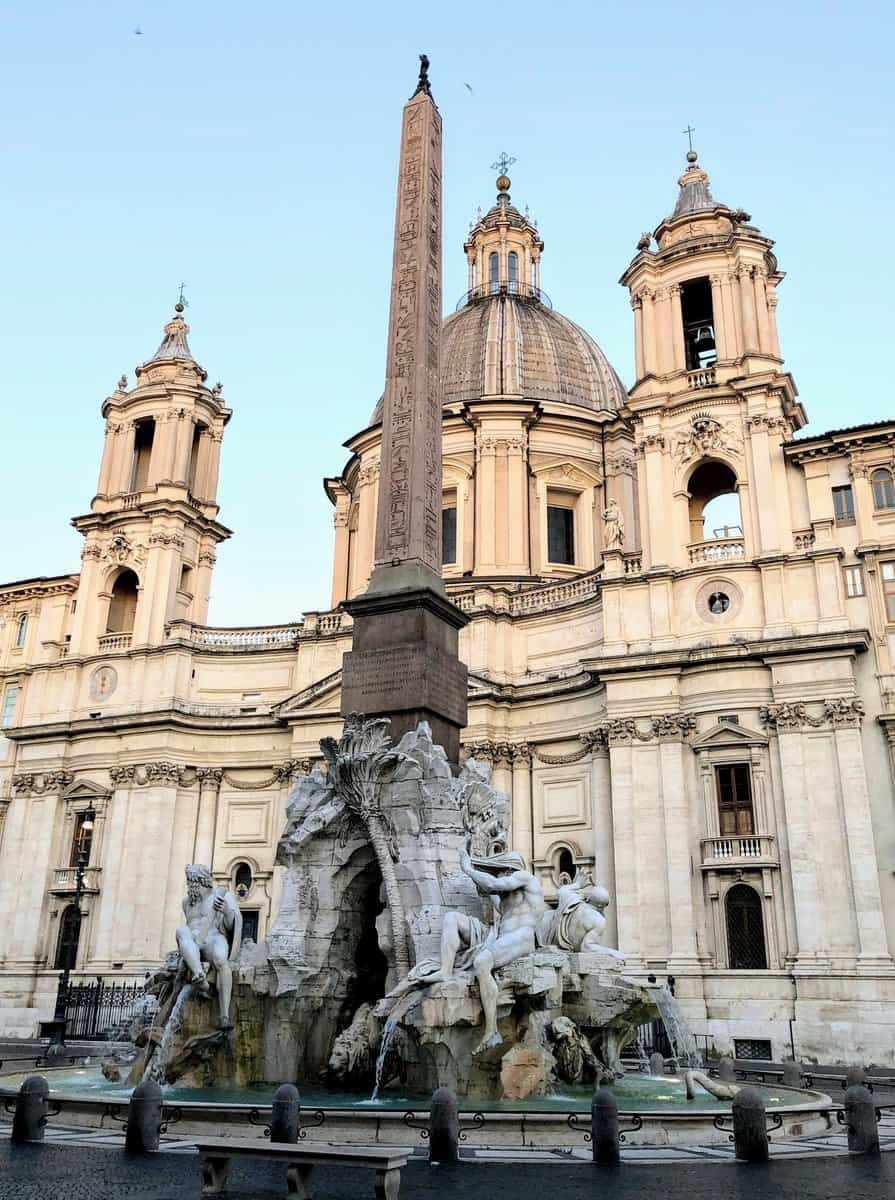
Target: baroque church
column 698, row 710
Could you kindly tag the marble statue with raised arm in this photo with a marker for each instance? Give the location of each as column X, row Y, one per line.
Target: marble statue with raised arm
column 467, row 942
column 212, row 935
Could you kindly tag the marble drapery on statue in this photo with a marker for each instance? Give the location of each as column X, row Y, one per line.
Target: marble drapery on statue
column 212, row 935
column 577, row 924
column 468, row 943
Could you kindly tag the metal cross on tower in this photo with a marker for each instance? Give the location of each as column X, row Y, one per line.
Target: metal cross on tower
column 689, row 131
column 180, row 299
column 504, row 162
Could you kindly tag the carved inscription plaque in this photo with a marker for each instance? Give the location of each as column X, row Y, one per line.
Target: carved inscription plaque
column 407, row 676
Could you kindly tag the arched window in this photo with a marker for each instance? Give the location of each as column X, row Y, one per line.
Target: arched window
column 883, row 489
column 745, row 930
column 22, row 629
column 123, row 604
column 513, row 271
column 566, row 863
column 715, row 510
column 69, row 936
column 493, row 271
column 144, row 435
column 242, row 880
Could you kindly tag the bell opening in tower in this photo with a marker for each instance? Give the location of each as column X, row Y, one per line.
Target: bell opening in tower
column 699, row 324
column 144, row 435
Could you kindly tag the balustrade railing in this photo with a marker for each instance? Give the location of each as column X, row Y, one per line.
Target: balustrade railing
column 115, row 641
column 717, row 550
column 739, row 849
column 505, row 287
column 65, row 879
column 704, row 377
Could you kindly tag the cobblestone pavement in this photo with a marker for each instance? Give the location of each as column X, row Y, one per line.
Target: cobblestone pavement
column 83, row 1165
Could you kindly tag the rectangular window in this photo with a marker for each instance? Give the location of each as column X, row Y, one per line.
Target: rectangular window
column 699, row 324
column 735, row 815
column 854, row 581
column 82, row 841
column 560, row 534
column 10, row 703
column 844, row 505
column 250, row 924
column 887, row 571
column 449, row 532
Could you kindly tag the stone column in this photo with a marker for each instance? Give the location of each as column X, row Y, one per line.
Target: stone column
column 747, row 307
column 650, row 359
column 485, row 491
column 772, row 321
column 800, row 833
column 664, row 343
column 679, row 353
column 872, row 944
column 522, row 837
column 202, row 590
column 517, row 487
column 603, row 833
column 722, row 335
column 125, row 450
column 733, row 338
column 209, row 780
column 637, row 307
column 203, row 465
column 107, row 465
column 763, row 480
column 682, row 921
column 182, row 447
column 162, row 449
column 368, row 479
column 652, row 447
column 340, row 551
column 759, row 281
column 624, row 843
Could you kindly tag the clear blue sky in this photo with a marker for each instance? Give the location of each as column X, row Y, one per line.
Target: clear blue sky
column 251, row 150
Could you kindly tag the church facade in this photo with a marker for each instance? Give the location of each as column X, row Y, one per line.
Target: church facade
column 702, row 716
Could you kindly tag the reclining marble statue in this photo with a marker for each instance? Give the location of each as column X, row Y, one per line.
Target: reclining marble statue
column 468, row 942
column 578, row 924
column 211, row 935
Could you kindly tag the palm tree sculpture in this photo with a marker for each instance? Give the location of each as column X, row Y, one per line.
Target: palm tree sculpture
column 355, row 766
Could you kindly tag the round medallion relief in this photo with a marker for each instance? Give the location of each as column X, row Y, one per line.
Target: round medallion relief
column 718, row 600
column 103, row 683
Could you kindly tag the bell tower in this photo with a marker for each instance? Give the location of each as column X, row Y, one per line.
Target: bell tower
column 712, row 402
column 152, row 529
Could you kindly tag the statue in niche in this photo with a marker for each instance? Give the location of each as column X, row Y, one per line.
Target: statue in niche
column 212, row 935
column 468, row 943
column 578, row 924
column 613, row 526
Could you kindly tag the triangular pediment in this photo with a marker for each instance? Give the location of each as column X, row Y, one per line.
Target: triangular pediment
column 563, row 471
column 725, row 735
column 86, row 789
column 317, row 697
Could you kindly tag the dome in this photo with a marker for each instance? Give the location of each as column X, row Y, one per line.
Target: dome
column 512, row 345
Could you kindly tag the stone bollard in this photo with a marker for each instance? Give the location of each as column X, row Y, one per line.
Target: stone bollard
column 285, row 1120
column 604, row 1128
column 30, row 1118
column 144, row 1118
column 792, row 1074
column 444, row 1127
column 726, row 1072
column 855, row 1076
column 656, row 1064
column 860, row 1120
column 750, row 1135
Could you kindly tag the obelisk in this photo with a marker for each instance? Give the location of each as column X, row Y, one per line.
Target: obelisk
column 404, row 663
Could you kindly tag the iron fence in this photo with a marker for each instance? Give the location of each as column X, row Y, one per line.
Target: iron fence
column 98, row 1009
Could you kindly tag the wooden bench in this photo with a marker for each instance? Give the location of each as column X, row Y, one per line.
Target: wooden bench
column 300, row 1159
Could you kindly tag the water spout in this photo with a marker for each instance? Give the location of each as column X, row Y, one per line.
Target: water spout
column 387, row 1034
column 155, row 1068
column 684, row 1050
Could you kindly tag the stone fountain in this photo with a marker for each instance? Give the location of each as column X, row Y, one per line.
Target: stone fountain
column 410, row 944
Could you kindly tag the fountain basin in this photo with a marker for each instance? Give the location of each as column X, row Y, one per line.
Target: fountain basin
column 555, row 1121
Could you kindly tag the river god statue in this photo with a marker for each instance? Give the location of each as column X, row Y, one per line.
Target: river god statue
column 212, row 934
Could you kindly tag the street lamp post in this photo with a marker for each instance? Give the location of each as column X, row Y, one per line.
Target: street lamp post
column 57, row 1025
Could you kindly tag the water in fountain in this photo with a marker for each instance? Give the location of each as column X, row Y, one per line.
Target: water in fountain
column 387, row 1034
column 155, row 1068
column 683, row 1043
